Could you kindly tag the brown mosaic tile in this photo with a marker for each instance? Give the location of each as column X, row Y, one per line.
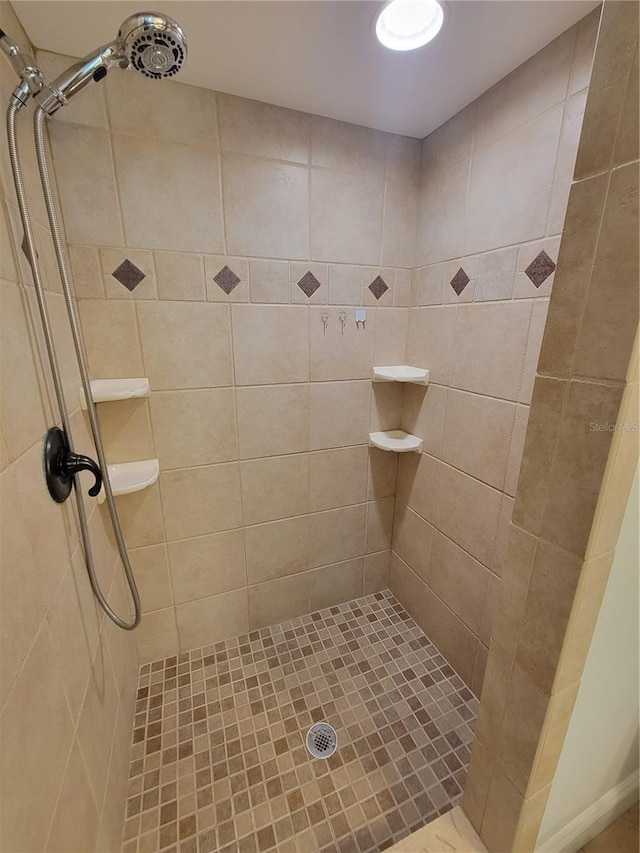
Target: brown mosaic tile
column 218, row 761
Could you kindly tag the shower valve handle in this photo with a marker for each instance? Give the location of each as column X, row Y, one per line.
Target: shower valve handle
column 72, row 463
column 61, row 464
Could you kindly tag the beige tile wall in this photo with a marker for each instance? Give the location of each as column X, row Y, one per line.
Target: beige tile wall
column 493, row 192
column 67, row 675
column 580, row 454
column 269, row 502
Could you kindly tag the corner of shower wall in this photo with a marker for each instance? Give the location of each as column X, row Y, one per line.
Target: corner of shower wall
column 494, row 187
column 67, row 675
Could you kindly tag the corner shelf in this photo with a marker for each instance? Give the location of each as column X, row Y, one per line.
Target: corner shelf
column 129, row 477
column 401, row 373
column 105, row 390
column 396, row 441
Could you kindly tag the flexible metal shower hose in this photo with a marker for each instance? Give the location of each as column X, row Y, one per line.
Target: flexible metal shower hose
column 80, row 355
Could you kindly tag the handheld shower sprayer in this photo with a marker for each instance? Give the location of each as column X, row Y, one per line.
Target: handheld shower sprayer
column 149, row 42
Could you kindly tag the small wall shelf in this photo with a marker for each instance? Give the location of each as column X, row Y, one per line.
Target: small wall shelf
column 396, row 440
column 129, row 477
column 401, row 373
column 104, row 390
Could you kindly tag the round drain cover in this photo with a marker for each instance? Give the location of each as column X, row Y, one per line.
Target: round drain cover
column 322, row 740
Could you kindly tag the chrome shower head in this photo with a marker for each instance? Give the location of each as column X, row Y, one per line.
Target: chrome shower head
column 153, row 44
column 150, row 42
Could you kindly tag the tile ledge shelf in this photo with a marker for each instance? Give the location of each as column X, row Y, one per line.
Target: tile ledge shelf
column 105, row 390
column 129, row 477
column 401, row 373
column 396, row 441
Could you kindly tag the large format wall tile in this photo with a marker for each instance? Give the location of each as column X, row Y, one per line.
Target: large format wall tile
column 111, row 338
column 343, row 147
column 185, row 345
column 467, row 512
column 209, row 620
column 266, row 207
column 23, row 413
column 82, row 181
column 271, row 344
column 529, row 91
column 611, row 311
column 261, row 501
column 337, row 534
column 430, row 340
column 191, row 221
column 194, row 427
column 412, row 540
column 339, row 413
column 252, row 127
column 37, row 714
column 510, row 185
column 207, row 565
column 477, row 432
column 151, row 569
column 346, row 217
column 185, row 114
column 337, row 478
column 272, row 420
column 489, row 348
column 441, row 207
column 277, row 548
column 201, row 500
column 400, row 223
column 280, row 599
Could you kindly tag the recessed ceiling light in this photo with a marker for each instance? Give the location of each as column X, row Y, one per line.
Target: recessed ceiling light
column 408, row 24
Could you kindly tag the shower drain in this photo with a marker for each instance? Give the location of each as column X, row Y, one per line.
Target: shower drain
column 322, row 740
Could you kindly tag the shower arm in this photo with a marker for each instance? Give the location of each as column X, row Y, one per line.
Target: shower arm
column 29, row 248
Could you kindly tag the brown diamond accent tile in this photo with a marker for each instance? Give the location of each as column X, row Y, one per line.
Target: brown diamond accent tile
column 460, row 281
column 218, row 755
column 308, row 284
column 128, row 275
column 540, row 268
column 226, row 279
column 378, row 287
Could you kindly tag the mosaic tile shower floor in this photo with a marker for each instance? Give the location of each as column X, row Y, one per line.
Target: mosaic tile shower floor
column 218, row 757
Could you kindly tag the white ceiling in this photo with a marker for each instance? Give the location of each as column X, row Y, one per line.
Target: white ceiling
column 322, row 57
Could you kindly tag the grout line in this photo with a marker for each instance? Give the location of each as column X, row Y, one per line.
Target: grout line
column 239, row 474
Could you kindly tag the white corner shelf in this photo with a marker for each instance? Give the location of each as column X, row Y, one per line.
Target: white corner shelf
column 401, row 373
column 105, row 390
column 129, row 477
column 396, row 440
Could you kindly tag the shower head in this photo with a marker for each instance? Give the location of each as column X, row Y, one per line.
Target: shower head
column 150, row 42
column 153, row 44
